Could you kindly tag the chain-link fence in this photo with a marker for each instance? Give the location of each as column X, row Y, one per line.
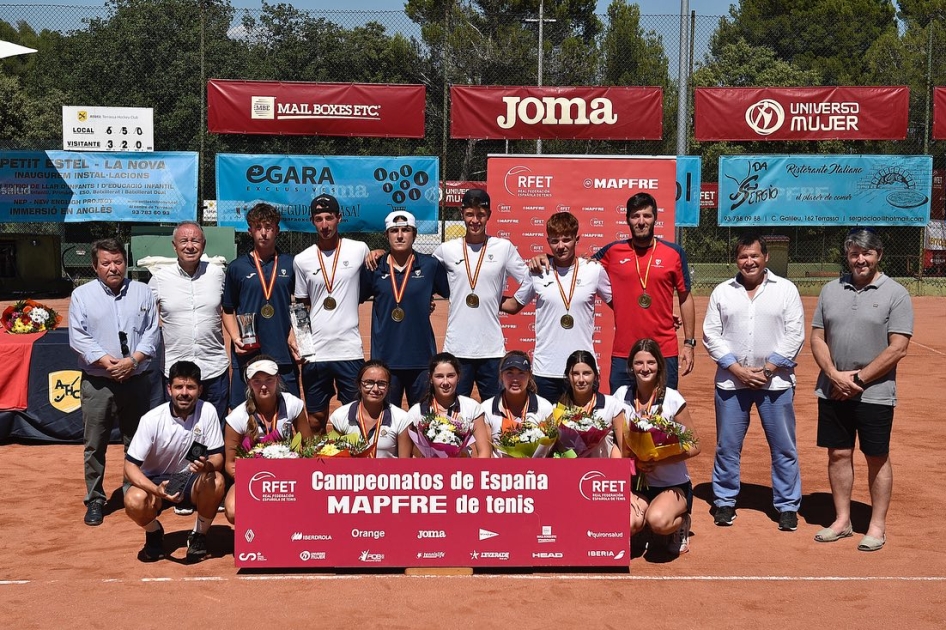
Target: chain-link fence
column 160, row 53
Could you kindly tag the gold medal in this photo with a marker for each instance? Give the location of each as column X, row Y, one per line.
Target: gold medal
column 645, row 300
column 397, row 314
column 473, row 300
column 567, row 321
column 329, row 303
column 267, row 311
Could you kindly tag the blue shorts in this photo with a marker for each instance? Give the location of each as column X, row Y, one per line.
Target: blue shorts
column 322, row 379
column 186, row 502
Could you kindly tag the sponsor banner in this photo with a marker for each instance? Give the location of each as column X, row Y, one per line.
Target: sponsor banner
column 709, row 192
column 451, row 192
column 935, row 236
column 315, row 109
column 107, row 128
column 578, row 113
column 939, row 113
column 55, row 186
column 525, row 190
column 371, row 513
column 687, row 210
column 803, row 113
column 367, row 189
column 938, row 203
column 824, row 190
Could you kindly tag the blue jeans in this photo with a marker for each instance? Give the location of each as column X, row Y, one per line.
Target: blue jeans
column 777, row 412
column 621, row 376
column 486, row 374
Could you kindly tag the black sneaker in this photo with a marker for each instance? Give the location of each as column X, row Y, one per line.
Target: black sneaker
column 196, row 547
column 725, row 515
column 788, row 521
column 93, row 513
column 154, row 545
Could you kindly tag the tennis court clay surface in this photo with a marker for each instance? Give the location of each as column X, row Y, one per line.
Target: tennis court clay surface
column 57, row 572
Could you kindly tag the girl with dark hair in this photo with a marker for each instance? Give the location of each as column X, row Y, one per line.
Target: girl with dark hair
column 442, row 399
column 517, row 401
column 666, row 499
column 382, row 425
column 582, row 380
column 269, row 414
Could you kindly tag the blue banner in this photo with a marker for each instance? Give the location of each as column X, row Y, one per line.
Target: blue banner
column 70, row 186
column 687, row 213
column 367, row 189
column 825, row 190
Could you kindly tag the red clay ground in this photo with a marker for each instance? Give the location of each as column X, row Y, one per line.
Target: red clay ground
column 56, row 572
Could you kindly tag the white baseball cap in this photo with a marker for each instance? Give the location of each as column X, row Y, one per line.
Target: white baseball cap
column 399, row 218
column 265, row 365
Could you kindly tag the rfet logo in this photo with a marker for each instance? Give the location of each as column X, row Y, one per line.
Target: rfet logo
column 265, row 486
column 594, row 485
column 521, row 181
column 765, row 117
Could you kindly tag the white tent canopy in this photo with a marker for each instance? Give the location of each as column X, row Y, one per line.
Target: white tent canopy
column 11, row 50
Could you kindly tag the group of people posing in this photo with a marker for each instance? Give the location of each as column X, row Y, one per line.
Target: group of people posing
column 226, row 401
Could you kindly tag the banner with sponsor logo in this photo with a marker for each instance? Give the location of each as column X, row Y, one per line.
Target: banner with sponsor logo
column 452, row 192
column 367, row 189
column 803, row 113
column 526, row 190
column 939, row 113
column 315, row 109
column 566, row 113
column 689, row 181
column 824, row 190
column 709, row 193
column 57, row 186
column 375, row 513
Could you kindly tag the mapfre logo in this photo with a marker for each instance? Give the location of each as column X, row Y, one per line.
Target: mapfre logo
column 551, row 110
column 264, row 486
column 594, row 485
column 521, row 182
column 765, row 117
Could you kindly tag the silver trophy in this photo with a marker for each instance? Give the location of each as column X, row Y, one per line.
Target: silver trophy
column 301, row 326
column 247, row 324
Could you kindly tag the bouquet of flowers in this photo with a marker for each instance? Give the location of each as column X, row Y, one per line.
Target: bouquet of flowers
column 336, row 445
column 28, row 316
column 578, row 430
column 529, row 439
column 272, row 446
column 651, row 437
column 439, row 436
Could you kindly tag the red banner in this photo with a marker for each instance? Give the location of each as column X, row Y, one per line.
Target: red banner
column 708, row 195
column 373, row 513
column 451, row 193
column 566, row 113
column 526, row 190
column 939, row 113
column 809, row 113
column 315, row 109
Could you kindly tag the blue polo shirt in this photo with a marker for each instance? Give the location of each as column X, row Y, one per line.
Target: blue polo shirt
column 408, row 344
column 243, row 293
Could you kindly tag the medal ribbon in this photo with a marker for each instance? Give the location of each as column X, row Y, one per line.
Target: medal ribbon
column 364, row 430
column 643, row 279
column 330, row 282
column 479, row 263
column 445, row 411
column 644, row 410
column 267, row 288
column 511, row 422
column 399, row 293
column 571, row 292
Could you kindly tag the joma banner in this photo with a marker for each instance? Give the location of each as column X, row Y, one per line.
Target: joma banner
column 315, row 109
column 804, row 113
column 578, row 113
column 939, row 113
column 375, row 513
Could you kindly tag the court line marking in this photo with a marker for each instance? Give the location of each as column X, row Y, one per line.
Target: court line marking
column 939, row 352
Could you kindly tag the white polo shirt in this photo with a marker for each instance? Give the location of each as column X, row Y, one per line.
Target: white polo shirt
column 475, row 333
column 553, row 343
column 394, row 420
column 335, row 331
column 664, row 475
column 537, row 410
column 162, row 441
column 190, row 312
column 289, row 409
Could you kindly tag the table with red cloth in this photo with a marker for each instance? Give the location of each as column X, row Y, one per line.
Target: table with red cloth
column 15, row 353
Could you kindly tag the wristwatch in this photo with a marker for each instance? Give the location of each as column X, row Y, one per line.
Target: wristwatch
column 690, row 342
column 767, row 373
column 134, row 362
column 858, row 381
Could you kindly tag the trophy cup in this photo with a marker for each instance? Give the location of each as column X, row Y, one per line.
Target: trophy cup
column 301, row 326
column 247, row 325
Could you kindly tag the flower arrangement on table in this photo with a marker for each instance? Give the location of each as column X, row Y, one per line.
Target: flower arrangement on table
column 651, row 437
column 439, row 436
column 331, row 445
column 29, row 316
column 579, row 431
column 529, row 439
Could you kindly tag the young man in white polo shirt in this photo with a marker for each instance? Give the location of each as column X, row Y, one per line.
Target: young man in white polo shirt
column 477, row 267
column 162, row 454
column 328, row 281
column 565, row 304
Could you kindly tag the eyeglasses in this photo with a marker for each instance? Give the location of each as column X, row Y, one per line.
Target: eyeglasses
column 372, row 384
column 123, row 340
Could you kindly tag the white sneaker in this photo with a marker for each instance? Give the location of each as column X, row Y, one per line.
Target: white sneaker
column 679, row 541
column 180, row 511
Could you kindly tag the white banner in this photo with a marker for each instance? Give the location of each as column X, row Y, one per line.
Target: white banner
column 107, row 128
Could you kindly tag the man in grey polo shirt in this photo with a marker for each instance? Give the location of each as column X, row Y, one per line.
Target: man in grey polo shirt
column 861, row 329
